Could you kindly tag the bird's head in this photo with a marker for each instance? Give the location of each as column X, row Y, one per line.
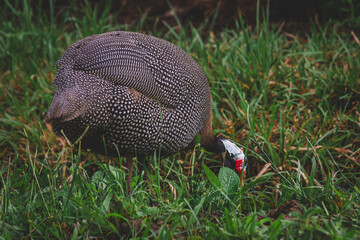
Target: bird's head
column 234, row 156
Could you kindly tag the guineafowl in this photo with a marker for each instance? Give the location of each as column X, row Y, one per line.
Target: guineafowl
column 132, row 94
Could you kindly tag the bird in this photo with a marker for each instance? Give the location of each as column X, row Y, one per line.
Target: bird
column 131, row 94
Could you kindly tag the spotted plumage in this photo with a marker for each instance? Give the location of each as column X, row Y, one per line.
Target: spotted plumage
column 132, row 94
column 136, row 92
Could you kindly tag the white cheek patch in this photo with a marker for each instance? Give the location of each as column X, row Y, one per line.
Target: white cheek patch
column 233, row 150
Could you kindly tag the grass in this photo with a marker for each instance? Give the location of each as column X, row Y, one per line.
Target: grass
column 292, row 103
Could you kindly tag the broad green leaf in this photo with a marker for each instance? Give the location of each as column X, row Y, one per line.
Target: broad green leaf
column 212, row 177
column 229, row 180
column 99, row 179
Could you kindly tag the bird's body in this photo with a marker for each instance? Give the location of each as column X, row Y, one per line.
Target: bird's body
column 136, row 92
column 132, row 94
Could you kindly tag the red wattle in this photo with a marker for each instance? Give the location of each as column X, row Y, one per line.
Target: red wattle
column 239, row 165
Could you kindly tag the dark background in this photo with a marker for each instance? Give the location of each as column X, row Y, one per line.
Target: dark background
column 295, row 16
